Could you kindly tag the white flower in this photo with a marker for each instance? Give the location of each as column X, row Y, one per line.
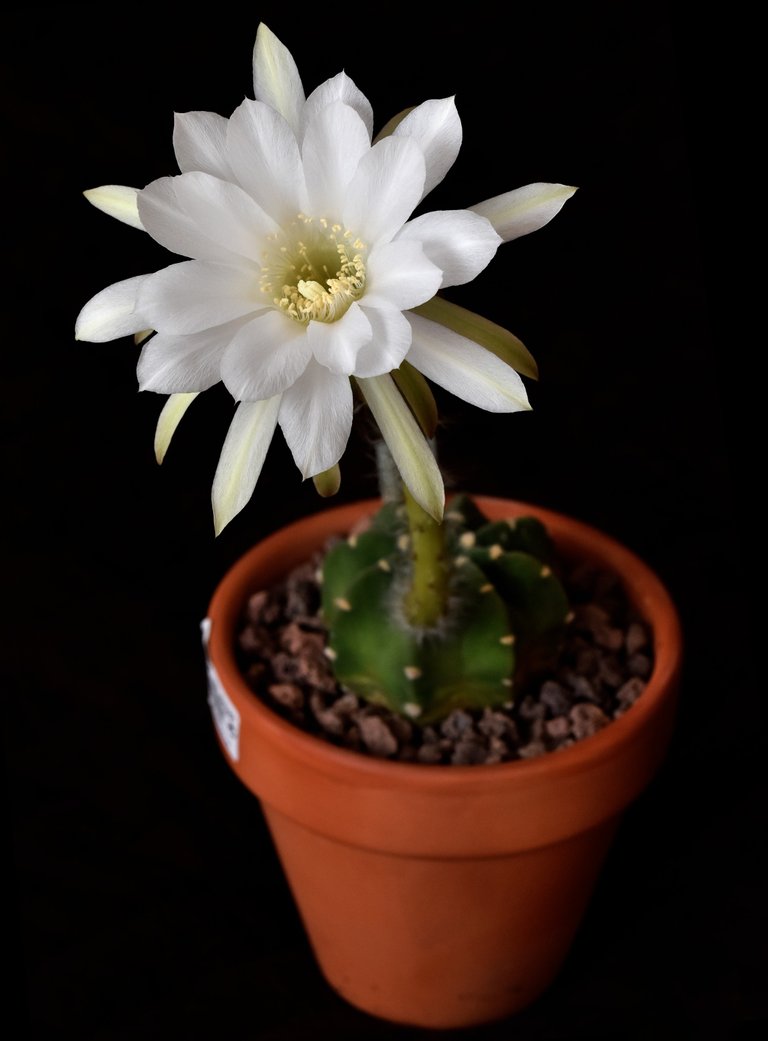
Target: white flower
column 305, row 272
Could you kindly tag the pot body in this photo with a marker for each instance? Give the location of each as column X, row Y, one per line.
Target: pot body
column 440, row 896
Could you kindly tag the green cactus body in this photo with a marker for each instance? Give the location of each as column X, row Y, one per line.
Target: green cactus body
column 503, row 620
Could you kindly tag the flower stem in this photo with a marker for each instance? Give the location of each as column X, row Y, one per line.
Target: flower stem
column 426, row 600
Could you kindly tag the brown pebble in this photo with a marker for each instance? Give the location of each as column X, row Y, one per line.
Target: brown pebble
column 610, row 671
column 316, row 671
column 586, row 719
column 558, row 728
column 498, row 750
column 495, row 724
column 347, row 704
column 583, row 688
column 456, row 724
column 589, row 617
column 530, row 709
column 352, row 739
column 640, row 665
column 287, row 694
column 629, row 692
column 256, row 640
column 537, row 727
column 301, row 593
column 471, row 749
column 609, row 637
column 325, row 715
column 637, row 637
column 296, row 640
column 377, row 736
column 429, row 753
column 285, row 667
column 257, row 604
column 587, row 661
column 402, row 728
column 554, row 697
column 532, row 750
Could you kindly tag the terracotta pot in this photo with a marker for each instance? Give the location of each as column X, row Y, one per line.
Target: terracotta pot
column 440, row 896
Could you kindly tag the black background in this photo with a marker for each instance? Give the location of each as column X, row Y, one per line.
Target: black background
column 147, row 898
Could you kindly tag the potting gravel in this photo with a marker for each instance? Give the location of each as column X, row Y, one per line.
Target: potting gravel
column 603, row 665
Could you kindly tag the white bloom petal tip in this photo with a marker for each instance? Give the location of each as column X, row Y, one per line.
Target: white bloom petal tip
column 112, row 313
column 168, row 420
column 276, row 79
column 242, row 457
column 464, row 368
column 117, row 200
column 436, row 128
column 525, row 209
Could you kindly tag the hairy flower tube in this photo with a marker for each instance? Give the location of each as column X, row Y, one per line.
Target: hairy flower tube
column 307, row 272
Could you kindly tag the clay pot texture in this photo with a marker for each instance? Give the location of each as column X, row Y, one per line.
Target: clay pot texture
column 442, row 896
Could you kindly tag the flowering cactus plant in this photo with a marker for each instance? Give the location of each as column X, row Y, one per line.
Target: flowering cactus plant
column 310, row 282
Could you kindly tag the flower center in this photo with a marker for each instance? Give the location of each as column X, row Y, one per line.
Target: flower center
column 314, row 270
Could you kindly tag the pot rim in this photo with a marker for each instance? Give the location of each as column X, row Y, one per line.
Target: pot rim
column 645, row 590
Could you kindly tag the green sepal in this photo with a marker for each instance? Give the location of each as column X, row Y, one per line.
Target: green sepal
column 495, row 338
column 418, row 395
column 328, row 482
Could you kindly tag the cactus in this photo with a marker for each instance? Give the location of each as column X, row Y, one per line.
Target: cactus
column 500, row 621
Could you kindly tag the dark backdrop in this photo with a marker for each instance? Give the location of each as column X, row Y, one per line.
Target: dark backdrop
column 147, row 898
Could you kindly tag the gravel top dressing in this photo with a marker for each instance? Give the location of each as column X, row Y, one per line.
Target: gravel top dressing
column 603, row 665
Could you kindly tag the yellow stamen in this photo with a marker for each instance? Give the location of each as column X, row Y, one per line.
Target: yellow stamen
column 318, row 272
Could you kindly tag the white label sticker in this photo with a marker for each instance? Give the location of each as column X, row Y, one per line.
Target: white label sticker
column 226, row 718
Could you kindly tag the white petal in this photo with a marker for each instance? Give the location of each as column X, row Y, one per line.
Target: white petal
column 460, row 242
column 276, row 79
column 118, row 200
column 389, row 343
column 242, row 457
column 171, row 364
column 400, row 274
column 196, row 295
column 525, row 209
column 200, row 216
column 264, row 156
column 170, row 417
column 436, row 127
column 265, row 357
column 410, row 450
column 464, row 368
column 113, row 312
column 334, row 143
column 199, row 141
column 339, row 88
column 336, row 344
column 387, row 186
column 316, row 418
